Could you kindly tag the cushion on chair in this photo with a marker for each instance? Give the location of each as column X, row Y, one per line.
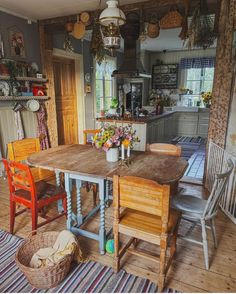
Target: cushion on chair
column 189, row 204
column 145, row 223
column 43, row 189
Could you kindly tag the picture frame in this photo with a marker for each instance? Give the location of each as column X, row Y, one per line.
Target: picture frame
column 1, row 46
column 17, row 43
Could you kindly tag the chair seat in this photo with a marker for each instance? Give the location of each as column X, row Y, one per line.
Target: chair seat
column 41, row 174
column 43, row 189
column 146, row 226
column 188, row 204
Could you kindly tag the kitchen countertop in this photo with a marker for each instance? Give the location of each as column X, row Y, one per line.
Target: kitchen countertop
column 146, row 119
column 136, row 120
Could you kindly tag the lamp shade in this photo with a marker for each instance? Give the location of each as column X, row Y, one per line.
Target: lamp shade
column 112, row 14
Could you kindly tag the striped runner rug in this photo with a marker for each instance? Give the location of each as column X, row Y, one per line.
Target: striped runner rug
column 90, row 277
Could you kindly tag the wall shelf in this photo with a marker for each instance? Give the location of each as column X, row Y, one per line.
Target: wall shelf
column 31, row 79
column 22, row 98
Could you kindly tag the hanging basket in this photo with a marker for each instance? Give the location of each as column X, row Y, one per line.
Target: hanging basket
column 171, row 20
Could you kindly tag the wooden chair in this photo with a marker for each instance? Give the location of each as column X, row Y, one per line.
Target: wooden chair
column 21, row 149
column 200, row 211
column 146, row 216
column 88, row 186
column 166, row 149
column 34, row 196
column 89, row 132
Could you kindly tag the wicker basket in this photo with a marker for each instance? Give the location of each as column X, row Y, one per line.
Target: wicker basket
column 45, row 277
column 172, row 19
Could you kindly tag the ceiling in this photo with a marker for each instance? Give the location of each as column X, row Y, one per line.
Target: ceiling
column 43, row 9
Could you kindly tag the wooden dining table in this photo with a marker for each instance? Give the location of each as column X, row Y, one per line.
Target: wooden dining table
column 85, row 163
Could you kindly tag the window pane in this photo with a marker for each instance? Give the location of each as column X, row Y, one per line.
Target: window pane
column 99, row 88
column 194, row 86
column 209, row 73
column 207, row 86
column 108, row 88
column 107, row 103
column 194, row 74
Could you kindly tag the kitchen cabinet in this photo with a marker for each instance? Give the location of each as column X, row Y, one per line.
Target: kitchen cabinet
column 163, row 128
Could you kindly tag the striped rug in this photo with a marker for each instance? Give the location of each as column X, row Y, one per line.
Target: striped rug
column 90, row 277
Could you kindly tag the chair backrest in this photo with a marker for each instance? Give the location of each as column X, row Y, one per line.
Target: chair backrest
column 165, row 149
column 142, row 195
column 217, row 191
column 89, row 132
column 21, row 149
column 19, row 177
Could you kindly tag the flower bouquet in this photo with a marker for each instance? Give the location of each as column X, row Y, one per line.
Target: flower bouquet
column 111, row 137
column 206, row 98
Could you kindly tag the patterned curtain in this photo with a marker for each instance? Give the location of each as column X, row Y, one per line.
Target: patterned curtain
column 202, row 62
column 42, row 127
column 19, row 125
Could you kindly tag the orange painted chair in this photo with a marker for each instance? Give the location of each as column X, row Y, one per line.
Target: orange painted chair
column 34, row 196
column 87, row 142
column 21, row 149
column 165, row 149
column 145, row 215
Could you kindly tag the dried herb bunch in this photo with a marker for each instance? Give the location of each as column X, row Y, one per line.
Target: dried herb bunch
column 201, row 33
column 96, row 46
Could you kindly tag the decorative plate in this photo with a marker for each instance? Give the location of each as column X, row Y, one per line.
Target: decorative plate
column 33, row 105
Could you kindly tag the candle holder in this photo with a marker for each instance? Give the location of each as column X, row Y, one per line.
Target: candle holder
column 125, row 160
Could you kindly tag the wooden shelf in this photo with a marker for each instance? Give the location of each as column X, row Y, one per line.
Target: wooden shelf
column 31, row 79
column 21, row 98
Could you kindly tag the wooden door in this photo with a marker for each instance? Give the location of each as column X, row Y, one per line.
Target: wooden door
column 66, row 100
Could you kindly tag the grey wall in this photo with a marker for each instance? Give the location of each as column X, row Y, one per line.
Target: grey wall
column 31, row 36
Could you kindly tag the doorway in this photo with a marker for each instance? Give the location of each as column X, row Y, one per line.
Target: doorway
column 66, row 100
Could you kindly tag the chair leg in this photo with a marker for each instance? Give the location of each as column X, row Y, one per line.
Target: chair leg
column 95, row 193
column 12, row 215
column 213, row 229
column 64, row 205
column 205, row 245
column 34, row 215
column 116, row 247
column 162, row 273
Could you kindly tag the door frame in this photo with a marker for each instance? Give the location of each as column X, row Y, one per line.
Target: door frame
column 79, row 86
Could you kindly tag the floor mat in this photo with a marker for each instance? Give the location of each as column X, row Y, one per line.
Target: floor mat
column 89, row 277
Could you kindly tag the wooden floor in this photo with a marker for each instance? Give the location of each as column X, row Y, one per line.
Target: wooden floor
column 187, row 273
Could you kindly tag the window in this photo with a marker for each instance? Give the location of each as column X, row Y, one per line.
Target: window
column 104, row 84
column 197, row 76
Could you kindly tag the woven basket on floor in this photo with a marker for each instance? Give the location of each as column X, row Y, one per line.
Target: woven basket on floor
column 45, row 277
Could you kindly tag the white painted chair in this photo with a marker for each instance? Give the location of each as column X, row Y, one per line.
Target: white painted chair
column 199, row 211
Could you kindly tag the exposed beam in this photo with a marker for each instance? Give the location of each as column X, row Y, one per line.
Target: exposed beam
column 152, row 5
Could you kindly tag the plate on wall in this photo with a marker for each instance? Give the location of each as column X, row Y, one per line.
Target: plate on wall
column 33, row 105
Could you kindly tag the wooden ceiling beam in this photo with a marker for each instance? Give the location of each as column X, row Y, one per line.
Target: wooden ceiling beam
column 151, row 5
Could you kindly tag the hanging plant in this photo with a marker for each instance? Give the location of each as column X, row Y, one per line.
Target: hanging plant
column 201, row 33
column 96, row 45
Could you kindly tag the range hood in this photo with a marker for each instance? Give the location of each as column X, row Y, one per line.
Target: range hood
column 132, row 66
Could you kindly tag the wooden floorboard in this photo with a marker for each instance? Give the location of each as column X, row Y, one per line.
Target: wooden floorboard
column 187, row 273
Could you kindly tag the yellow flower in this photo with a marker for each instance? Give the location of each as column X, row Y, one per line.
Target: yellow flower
column 126, row 143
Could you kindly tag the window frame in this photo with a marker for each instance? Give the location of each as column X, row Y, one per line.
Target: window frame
column 113, row 83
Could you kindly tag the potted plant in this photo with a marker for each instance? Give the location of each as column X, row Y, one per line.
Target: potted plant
column 206, row 98
column 114, row 105
column 111, row 137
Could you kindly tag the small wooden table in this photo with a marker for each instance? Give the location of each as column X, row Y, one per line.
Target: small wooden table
column 84, row 163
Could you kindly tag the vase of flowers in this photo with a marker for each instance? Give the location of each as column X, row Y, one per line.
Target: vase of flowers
column 206, row 98
column 111, row 137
